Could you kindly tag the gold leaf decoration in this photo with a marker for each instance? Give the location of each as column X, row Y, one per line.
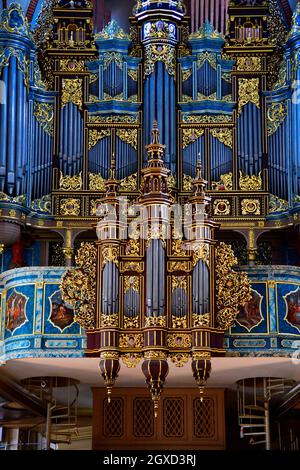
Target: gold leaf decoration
column 250, row 183
column 78, row 285
column 200, row 320
column 233, row 289
column 160, row 53
column 131, row 282
column 277, row 114
column 70, row 183
column 187, row 183
column 248, row 92
column 131, row 360
column 190, row 135
column 224, row 135
column 131, row 341
column 44, row 114
column 129, row 183
column 110, row 254
column 72, row 92
column 179, row 322
column 155, row 321
column 180, row 340
column 225, row 183
column 70, row 206
column 250, row 207
column 96, row 182
column 95, row 136
column 129, row 136
column 179, row 359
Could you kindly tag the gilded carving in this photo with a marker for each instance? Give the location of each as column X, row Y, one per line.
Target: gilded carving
column 200, row 320
column 131, row 340
column 177, row 248
column 250, row 183
column 95, row 136
column 249, row 64
column 155, row 321
column 187, row 183
column 110, row 254
column 131, row 282
column 72, row 92
column 160, row 53
column 132, row 248
column 129, row 183
column 44, row 114
column 179, row 341
column 233, row 289
column 70, row 183
column 70, row 206
column 109, row 320
column 206, row 118
column 190, row 135
column 131, row 360
column 67, row 65
column 248, row 92
column 129, row 136
column 277, row 113
column 221, row 207
column 251, row 207
column 179, row 359
column 225, row 183
column 200, row 252
column 277, row 204
column 179, row 282
column 224, row 135
column 179, row 322
column 96, row 183
column 131, row 322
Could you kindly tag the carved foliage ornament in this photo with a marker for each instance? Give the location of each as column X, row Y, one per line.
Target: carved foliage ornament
column 44, row 114
column 232, row 288
column 78, row 285
column 160, row 53
column 277, row 114
column 72, row 92
column 70, row 183
column 248, row 92
column 190, row 135
column 250, row 183
column 224, row 135
column 129, row 136
column 70, row 207
column 95, row 136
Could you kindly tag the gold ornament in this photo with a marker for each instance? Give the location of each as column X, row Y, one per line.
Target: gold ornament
column 221, row 207
column 44, row 114
column 233, row 289
column 277, row 205
column 132, row 248
column 179, row 322
column 160, row 53
column 200, row 320
column 248, row 92
column 179, row 341
column 95, row 136
column 131, row 341
column 250, row 207
column 131, row 322
column 131, row 360
column 155, row 355
column 190, row 136
column 179, row 282
column 129, row 183
column 109, row 320
column 200, row 253
column 205, row 118
column 224, row 135
column 96, row 183
column 277, row 114
column 178, row 248
column 129, row 136
column 179, row 359
column 72, row 92
column 155, row 321
column 110, row 254
column 131, row 282
column 70, row 183
column 250, row 183
column 187, row 183
column 249, row 64
column 70, row 207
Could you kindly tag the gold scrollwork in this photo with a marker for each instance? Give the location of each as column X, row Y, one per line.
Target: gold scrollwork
column 129, row 136
column 162, row 355
column 131, row 322
column 225, row 183
column 131, row 340
column 67, row 65
column 200, row 252
column 160, row 53
column 178, row 248
column 206, row 118
column 179, row 322
column 129, row 183
column 250, row 207
column 224, row 135
column 251, row 64
column 44, row 114
column 248, row 92
column 179, row 359
column 187, row 183
column 131, row 282
column 179, row 282
column 70, row 206
column 200, row 320
column 72, row 92
column 232, row 288
column 133, row 266
column 131, row 360
column 95, row 136
column 109, row 320
column 186, row 74
column 250, row 183
column 133, row 74
column 179, row 341
column 190, row 135
column 110, row 254
column 70, row 183
column 277, row 205
column 132, row 248
column 221, row 207
column 277, row 114
column 174, row 266
column 155, row 321
column 96, row 182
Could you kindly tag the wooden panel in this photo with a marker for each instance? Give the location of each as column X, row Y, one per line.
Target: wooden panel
column 183, row 422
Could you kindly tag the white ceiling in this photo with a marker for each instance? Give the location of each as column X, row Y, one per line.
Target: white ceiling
column 225, row 371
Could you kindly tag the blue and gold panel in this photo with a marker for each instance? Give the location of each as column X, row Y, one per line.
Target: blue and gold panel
column 253, row 318
column 19, row 308
column 59, row 316
column 288, row 299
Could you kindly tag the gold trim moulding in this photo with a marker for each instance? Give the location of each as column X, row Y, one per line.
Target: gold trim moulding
column 123, row 125
column 184, row 125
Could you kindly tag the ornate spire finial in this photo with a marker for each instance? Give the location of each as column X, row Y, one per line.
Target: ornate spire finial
column 199, row 182
column 155, row 133
column 112, row 175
